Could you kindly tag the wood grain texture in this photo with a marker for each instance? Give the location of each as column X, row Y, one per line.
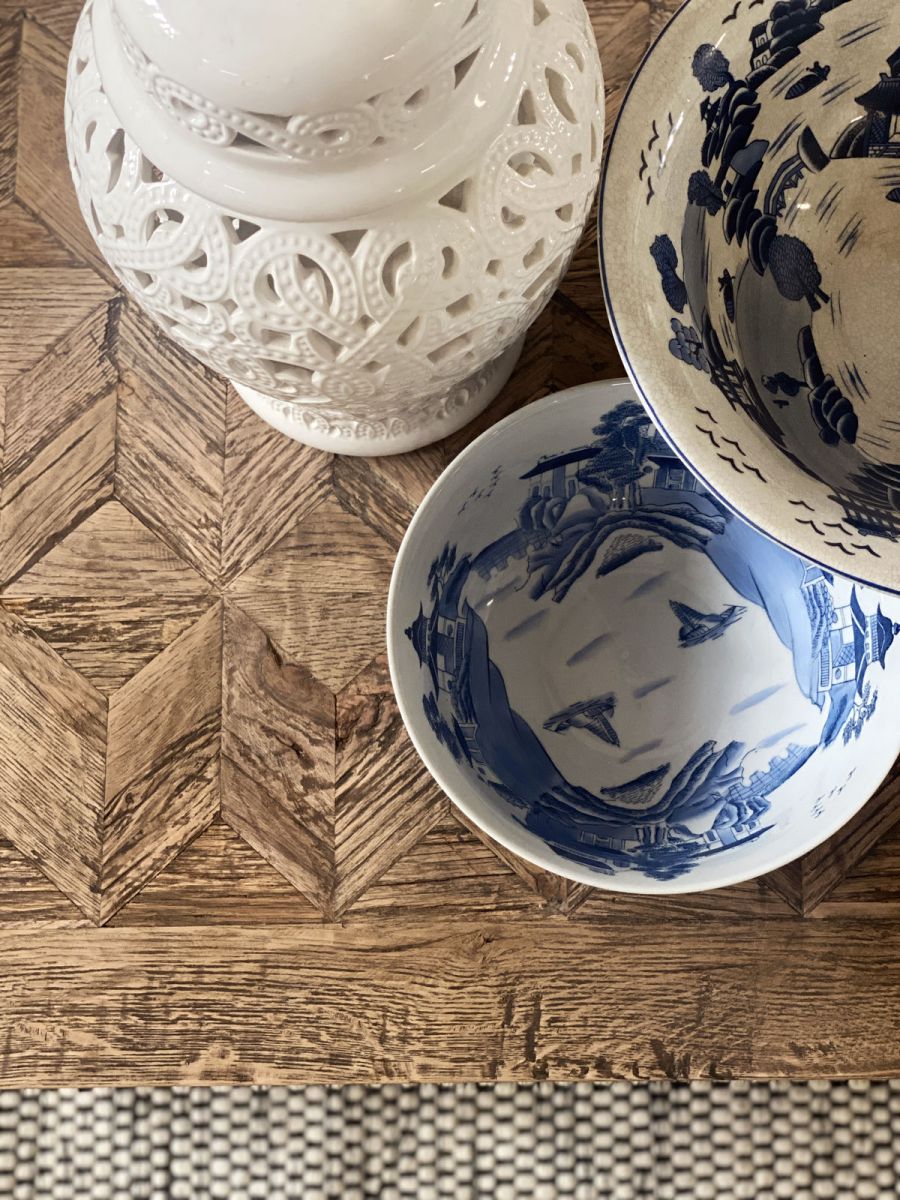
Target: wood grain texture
column 38, row 305
column 57, row 16
column 218, row 879
column 385, row 492
column 278, row 757
column 53, row 733
column 384, row 803
column 871, row 886
column 450, row 870
column 162, row 772
column 9, row 98
column 59, row 451
column 170, row 443
column 39, row 904
column 806, row 882
column 329, row 791
column 42, row 173
column 536, row 998
column 320, row 592
column 271, row 484
column 220, row 859
column 558, row 893
column 623, row 32
column 28, row 243
column 661, row 12
column 109, row 596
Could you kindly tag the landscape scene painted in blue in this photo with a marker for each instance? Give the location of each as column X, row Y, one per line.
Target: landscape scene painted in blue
column 781, row 283
column 598, row 531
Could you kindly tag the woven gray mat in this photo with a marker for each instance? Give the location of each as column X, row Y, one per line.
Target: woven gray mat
column 727, row 1141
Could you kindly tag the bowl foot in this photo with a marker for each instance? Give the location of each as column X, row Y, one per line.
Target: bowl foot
column 445, row 415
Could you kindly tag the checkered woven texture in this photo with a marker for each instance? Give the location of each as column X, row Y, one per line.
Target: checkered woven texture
column 815, row 1141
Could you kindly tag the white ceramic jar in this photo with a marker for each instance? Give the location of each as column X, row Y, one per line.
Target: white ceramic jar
column 352, row 210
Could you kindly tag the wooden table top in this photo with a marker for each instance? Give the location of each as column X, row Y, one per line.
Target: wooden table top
column 221, row 860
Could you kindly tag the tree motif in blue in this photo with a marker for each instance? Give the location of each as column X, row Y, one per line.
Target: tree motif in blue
column 725, row 191
column 633, row 496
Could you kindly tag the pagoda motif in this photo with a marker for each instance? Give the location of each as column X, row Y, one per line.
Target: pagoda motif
column 439, row 640
column 876, row 632
column 878, row 135
column 854, row 642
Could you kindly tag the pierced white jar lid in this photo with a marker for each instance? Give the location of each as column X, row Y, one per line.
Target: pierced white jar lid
column 300, row 110
column 291, row 56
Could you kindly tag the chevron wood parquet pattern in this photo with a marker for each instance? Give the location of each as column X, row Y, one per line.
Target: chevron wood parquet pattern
column 220, row 859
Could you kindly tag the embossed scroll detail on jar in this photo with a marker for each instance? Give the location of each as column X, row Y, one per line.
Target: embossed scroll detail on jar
column 359, row 251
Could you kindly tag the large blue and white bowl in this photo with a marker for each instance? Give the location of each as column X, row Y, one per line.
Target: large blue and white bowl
column 617, row 678
column 750, row 252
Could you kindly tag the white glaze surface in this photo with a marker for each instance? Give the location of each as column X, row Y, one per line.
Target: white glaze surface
column 280, row 56
column 369, row 325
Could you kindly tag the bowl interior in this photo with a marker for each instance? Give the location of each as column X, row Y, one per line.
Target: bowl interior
column 751, row 221
column 618, row 678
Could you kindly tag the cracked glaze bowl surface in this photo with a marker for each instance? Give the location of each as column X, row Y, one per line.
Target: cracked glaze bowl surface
column 616, row 677
column 750, row 249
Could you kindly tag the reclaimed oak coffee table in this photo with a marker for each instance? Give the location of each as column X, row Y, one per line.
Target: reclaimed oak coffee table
column 221, row 860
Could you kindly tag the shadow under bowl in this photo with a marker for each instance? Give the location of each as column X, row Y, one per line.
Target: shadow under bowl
column 617, row 678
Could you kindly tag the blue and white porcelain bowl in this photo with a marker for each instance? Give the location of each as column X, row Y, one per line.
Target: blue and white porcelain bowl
column 616, row 677
column 750, row 249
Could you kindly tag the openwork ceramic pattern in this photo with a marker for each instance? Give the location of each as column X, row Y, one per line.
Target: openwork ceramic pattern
column 390, row 329
column 377, row 124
